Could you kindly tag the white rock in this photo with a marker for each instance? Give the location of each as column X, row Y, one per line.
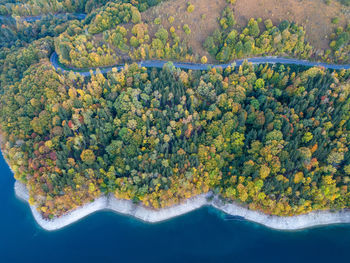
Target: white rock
column 150, row 215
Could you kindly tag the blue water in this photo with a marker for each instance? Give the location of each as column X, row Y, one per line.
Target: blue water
column 201, row 236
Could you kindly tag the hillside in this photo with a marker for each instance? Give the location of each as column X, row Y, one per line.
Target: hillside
column 314, row 15
column 179, row 30
column 271, row 137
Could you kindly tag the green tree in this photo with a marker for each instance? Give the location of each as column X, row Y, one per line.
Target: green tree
column 88, row 156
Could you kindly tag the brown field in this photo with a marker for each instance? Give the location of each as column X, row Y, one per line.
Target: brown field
column 314, row 15
column 200, row 26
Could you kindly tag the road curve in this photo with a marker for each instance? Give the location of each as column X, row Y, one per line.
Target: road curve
column 197, row 66
column 182, row 65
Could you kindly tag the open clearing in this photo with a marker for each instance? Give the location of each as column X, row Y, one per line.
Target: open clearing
column 202, row 21
column 314, row 15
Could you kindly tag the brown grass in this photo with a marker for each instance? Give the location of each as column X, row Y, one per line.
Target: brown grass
column 314, row 15
column 200, row 27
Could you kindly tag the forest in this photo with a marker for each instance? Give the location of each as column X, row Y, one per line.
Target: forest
column 274, row 138
column 115, row 34
column 39, row 7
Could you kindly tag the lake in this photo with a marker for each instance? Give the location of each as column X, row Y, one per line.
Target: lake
column 201, row 236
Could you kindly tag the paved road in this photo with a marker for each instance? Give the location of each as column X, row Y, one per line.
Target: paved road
column 197, row 66
column 182, row 65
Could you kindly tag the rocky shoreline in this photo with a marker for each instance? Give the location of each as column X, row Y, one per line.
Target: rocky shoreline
column 127, row 207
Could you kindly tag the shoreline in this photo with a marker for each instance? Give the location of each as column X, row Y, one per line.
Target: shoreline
column 127, row 207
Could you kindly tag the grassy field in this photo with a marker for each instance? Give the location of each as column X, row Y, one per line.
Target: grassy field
column 314, row 15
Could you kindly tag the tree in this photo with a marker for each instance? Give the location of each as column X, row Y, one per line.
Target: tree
column 162, row 34
column 307, row 137
column 264, row 171
column 88, row 156
column 274, row 135
column 268, row 23
column 253, row 27
column 135, row 16
column 335, row 157
column 298, row 177
column 259, row 84
column 347, row 169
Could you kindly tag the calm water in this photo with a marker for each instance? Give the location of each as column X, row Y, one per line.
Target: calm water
column 201, row 236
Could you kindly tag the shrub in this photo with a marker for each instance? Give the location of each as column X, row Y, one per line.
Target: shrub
column 335, row 20
column 190, row 8
column 157, row 21
column 187, row 29
column 171, row 19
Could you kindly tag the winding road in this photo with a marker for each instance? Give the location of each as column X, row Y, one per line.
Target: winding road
column 197, row 66
column 237, row 212
column 182, row 65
